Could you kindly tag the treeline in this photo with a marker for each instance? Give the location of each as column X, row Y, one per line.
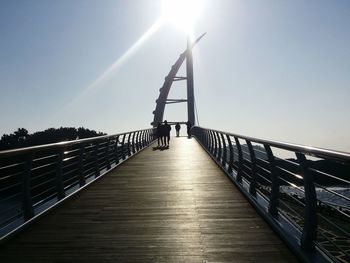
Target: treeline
column 21, row 137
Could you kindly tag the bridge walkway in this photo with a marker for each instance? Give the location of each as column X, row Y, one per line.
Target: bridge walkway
column 173, row 205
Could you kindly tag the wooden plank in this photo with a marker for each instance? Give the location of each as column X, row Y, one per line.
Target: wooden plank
column 174, row 205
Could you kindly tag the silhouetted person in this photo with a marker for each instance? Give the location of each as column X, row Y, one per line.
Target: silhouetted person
column 163, row 135
column 159, row 134
column 167, row 129
column 177, row 128
column 189, row 126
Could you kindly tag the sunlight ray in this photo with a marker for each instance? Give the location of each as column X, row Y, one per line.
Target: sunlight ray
column 113, row 68
column 121, row 60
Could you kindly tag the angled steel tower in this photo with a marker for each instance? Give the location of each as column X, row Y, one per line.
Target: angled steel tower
column 170, row 78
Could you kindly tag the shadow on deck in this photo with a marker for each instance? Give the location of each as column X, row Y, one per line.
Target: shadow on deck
column 174, row 205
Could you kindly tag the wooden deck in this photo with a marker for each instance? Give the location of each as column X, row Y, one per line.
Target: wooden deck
column 174, row 205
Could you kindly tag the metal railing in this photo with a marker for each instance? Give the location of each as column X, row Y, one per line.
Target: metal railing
column 303, row 192
column 34, row 179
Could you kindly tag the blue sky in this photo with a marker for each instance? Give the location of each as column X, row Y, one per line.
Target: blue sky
column 274, row 69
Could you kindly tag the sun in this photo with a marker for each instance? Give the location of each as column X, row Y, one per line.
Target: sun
column 182, row 13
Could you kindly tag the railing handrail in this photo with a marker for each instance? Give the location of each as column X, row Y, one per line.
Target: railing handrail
column 43, row 176
column 33, row 149
column 309, row 150
column 259, row 172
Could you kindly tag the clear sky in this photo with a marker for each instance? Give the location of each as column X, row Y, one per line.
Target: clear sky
column 273, row 69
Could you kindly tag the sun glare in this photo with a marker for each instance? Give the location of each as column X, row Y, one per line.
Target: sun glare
column 182, row 13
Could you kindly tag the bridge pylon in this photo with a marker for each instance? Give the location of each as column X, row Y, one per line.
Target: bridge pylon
column 170, row 78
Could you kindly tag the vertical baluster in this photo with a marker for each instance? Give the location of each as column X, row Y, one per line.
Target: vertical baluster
column 133, row 148
column 135, row 143
column 129, row 144
column 116, row 150
column 207, row 140
column 123, row 147
column 139, row 141
column 149, row 136
column 146, row 137
column 108, row 162
column 82, row 180
column 204, row 137
column 27, row 202
column 230, row 163
column 148, row 132
column 275, row 189
column 212, row 142
column 143, row 141
column 59, row 175
column 219, row 146
column 224, row 155
column 202, row 132
column 253, row 180
column 97, row 166
column 215, row 144
column 310, row 213
column 240, row 161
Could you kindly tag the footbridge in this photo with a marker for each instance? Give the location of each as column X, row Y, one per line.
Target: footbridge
column 214, row 196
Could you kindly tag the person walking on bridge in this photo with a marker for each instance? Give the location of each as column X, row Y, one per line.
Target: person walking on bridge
column 159, row 134
column 167, row 129
column 177, row 128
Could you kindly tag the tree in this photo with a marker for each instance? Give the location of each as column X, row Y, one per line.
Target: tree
column 21, row 138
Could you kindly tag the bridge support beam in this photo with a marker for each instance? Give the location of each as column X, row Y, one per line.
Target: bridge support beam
column 190, row 83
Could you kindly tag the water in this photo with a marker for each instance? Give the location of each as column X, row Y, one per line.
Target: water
column 324, row 195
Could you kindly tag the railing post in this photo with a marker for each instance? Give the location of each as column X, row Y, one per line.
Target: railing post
column 148, row 132
column 310, row 213
column 253, row 181
column 59, row 176
column 219, row 146
column 139, row 141
column 129, row 144
column 208, row 140
column 123, row 147
column 215, row 144
column 224, row 155
column 108, row 162
column 211, row 143
column 230, row 164
column 240, row 161
column 143, row 140
column 275, row 188
column 148, row 137
column 27, row 203
column 82, row 180
column 145, row 136
column 202, row 135
column 97, row 167
column 205, row 139
column 133, row 148
column 116, row 149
